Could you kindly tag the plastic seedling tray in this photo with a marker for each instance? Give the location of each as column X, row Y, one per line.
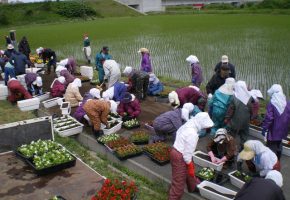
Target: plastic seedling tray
column 127, row 157
column 206, row 163
column 211, row 195
column 71, row 126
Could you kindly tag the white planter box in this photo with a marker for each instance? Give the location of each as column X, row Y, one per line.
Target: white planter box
column 256, row 133
column 235, row 181
column 204, row 163
column 70, row 131
column 43, row 97
column 39, row 65
column 3, row 75
column 87, row 71
column 28, row 104
column 111, row 130
column 34, row 70
column 286, row 150
column 212, row 195
column 3, row 92
column 50, row 102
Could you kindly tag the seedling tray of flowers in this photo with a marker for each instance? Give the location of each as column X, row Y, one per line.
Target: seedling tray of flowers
column 239, row 178
column 67, row 126
column 139, row 138
column 206, row 174
column 121, row 142
column 128, row 151
column 115, row 116
column 131, row 124
column 107, row 138
column 158, row 152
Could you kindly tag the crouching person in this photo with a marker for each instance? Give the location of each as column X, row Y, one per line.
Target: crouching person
column 116, row 92
column 98, row 111
column 57, row 88
column 72, row 94
column 33, row 83
column 129, row 107
column 17, row 91
column 155, row 86
column 183, row 170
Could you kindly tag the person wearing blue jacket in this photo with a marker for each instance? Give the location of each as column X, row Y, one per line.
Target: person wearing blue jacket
column 100, row 59
column 116, row 92
column 155, row 86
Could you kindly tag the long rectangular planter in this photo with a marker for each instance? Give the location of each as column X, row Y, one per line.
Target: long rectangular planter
column 212, row 195
column 235, row 181
column 256, row 132
column 70, row 131
column 43, row 97
column 50, row 102
column 113, row 129
column 28, row 104
column 204, row 163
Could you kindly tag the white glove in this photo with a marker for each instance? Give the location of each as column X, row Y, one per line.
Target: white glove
column 209, row 96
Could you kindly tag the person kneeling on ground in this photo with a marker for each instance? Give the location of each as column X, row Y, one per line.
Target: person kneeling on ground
column 222, row 148
column 183, row 170
column 268, row 188
column 129, row 107
column 33, row 83
column 57, row 88
column 155, row 86
column 116, row 92
column 80, row 112
column 98, row 111
column 169, row 122
column 72, row 94
column 69, row 78
column 17, row 91
column 138, row 82
column 258, row 157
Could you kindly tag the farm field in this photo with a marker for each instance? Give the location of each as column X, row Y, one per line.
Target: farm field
column 257, row 44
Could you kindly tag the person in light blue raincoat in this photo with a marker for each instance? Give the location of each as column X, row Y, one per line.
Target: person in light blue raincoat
column 155, row 86
column 100, row 59
column 219, row 104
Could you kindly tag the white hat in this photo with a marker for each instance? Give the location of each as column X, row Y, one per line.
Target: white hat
column 10, row 46
column 113, row 107
column 143, row 50
column 220, row 135
column 188, row 106
column 95, row 93
column 225, row 59
column 61, row 79
column 276, row 177
column 127, row 70
column 39, row 50
column 38, row 81
column 185, row 114
column 173, row 98
column 1, row 52
column 63, row 62
column 192, row 59
column 77, row 83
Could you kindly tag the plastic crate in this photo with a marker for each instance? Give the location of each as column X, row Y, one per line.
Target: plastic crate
column 28, row 104
column 204, row 163
column 43, row 96
column 50, row 102
column 212, row 195
column 111, row 130
column 87, row 71
column 235, row 181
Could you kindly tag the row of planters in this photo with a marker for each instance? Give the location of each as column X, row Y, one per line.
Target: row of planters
column 46, row 156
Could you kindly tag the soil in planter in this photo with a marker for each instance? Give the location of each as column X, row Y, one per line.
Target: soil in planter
column 242, row 177
column 230, row 196
column 205, row 157
column 112, row 125
column 286, row 145
column 64, row 105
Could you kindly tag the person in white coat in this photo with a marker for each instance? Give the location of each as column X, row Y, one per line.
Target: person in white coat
column 112, row 72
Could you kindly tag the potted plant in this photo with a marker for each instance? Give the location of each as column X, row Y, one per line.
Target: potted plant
column 130, row 124
column 115, row 189
column 128, row 151
column 139, row 137
column 158, row 152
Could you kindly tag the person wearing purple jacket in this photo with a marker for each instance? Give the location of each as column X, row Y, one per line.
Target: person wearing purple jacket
column 277, row 119
column 145, row 60
column 196, row 72
column 69, row 78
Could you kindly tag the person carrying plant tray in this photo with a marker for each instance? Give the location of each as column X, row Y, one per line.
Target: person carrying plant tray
column 98, row 111
column 222, row 148
column 129, row 107
column 183, row 170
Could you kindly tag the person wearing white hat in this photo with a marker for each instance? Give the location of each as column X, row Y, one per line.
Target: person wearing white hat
column 57, row 88
column 155, row 86
column 112, row 72
column 47, row 55
column 196, row 72
column 145, row 60
column 257, row 95
column 138, row 82
column 33, row 83
column 225, row 61
column 268, row 188
column 183, row 170
column 70, row 64
column 72, row 93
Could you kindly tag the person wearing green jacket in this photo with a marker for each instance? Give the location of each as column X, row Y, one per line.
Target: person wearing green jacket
column 100, row 59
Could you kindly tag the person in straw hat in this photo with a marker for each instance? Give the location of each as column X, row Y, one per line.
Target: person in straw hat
column 145, row 60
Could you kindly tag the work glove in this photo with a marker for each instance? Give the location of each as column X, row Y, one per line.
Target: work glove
column 222, row 160
column 190, row 169
column 264, row 131
column 209, row 96
column 212, row 157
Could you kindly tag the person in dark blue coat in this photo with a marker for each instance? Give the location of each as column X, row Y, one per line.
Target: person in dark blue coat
column 19, row 60
column 155, row 86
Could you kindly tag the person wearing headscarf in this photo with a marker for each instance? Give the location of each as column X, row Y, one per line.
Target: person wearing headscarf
column 145, row 60
column 57, row 88
column 70, row 64
column 72, row 93
column 16, row 91
column 138, row 82
column 196, row 72
column 268, row 188
column 69, row 78
column 24, row 47
column 129, row 107
column 100, row 59
column 98, row 111
column 87, row 48
column 47, row 55
column 222, row 148
column 225, row 61
column 257, row 95
column 259, row 158
column 80, row 113
column 112, row 72
column 19, row 61
column 239, row 113
column 218, row 79
column 116, row 92
column 184, row 95
column 9, row 72
column 155, row 86
column 220, row 102
column 34, row 83
column 277, row 119
column 183, row 170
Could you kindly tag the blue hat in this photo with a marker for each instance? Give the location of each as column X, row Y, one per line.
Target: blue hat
column 127, row 97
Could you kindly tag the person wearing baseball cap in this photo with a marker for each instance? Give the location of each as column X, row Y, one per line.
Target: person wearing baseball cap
column 225, row 61
column 100, row 59
column 129, row 107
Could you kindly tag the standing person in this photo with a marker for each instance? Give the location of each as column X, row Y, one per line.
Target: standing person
column 17, row 91
column 112, row 72
column 145, row 60
column 47, row 55
column 239, row 112
column 225, row 61
column 257, row 95
column 155, row 86
column 129, row 107
column 72, row 93
column 19, row 60
column 219, row 104
column 268, row 188
column 57, row 88
column 24, row 47
column 9, row 72
column 277, row 119
column 10, row 51
column 217, row 80
column 87, row 48
column 183, row 170
column 138, row 82
column 100, row 59
column 196, row 72
column 7, row 40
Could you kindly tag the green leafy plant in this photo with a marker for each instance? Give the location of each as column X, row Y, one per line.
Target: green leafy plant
column 38, row 148
column 139, row 136
column 107, row 138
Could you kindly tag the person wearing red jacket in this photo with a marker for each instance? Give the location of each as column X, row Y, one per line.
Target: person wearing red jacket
column 129, row 106
column 17, row 91
column 57, row 88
